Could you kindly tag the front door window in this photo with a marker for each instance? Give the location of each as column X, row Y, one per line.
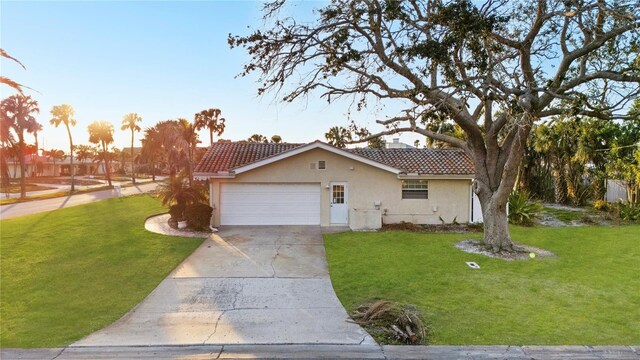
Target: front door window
column 338, row 194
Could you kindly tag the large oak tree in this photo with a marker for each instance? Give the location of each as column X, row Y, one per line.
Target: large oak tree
column 493, row 67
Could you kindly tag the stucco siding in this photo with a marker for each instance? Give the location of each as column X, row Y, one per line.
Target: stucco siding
column 366, row 186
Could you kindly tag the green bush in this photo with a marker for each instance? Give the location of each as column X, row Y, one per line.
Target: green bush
column 625, row 211
column 177, row 212
column 522, row 210
column 601, row 205
column 198, row 216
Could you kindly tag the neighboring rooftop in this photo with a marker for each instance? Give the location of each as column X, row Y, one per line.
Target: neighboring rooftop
column 227, row 156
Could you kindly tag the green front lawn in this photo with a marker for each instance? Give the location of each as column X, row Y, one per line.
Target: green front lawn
column 589, row 294
column 67, row 273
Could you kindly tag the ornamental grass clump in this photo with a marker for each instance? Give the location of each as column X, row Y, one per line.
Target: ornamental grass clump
column 523, row 210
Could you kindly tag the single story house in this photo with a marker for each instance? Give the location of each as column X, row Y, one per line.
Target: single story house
column 318, row 184
column 45, row 166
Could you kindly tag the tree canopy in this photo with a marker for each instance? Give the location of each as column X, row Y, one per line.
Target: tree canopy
column 493, row 68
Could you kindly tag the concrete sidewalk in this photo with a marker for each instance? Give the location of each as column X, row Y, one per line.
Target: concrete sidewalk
column 201, row 352
column 37, row 206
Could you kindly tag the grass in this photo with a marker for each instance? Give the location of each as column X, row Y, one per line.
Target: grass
column 70, row 272
column 588, row 294
column 566, row 216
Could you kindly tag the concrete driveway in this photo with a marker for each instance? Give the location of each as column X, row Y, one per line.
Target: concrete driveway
column 245, row 285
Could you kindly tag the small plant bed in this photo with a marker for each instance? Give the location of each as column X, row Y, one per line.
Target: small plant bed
column 432, row 228
column 391, row 323
column 519, row 252
column 14, row 189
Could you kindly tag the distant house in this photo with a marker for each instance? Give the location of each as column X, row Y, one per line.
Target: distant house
column 45, row 166
column 318, row 184
column 396, row 144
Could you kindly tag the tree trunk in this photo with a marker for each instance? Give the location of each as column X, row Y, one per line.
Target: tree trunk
column 106, row 163
column 35, row 163
column 71, row 169
column 4, row 168
column 496, row 225
column 23, row 181
column 496, row 173
column 210, row 136
column 559, row 192
column 153, row 171
column 133, row 172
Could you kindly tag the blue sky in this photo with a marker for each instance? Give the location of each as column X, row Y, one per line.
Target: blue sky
column 163, row 60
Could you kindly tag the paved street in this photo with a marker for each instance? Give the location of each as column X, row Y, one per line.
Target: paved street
column 36, row 206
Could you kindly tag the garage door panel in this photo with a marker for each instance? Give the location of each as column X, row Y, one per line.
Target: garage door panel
column 270, row 204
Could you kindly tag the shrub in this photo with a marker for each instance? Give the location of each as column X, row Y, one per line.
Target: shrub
column 622, row 211
column 601, row 205
column 198, row 216
column 522, row 210
column 177, row 212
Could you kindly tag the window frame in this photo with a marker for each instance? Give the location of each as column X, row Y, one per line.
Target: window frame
column 415, row 189
column 322, row 165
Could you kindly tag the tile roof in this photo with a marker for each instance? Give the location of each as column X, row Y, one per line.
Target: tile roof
column 223, row 157
column 421, row 161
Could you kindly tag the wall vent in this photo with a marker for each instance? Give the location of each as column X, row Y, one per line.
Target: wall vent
column 312, row 166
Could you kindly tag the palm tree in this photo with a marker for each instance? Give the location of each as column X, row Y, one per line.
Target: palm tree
column 36, row 129
column 7, row 81
column 63, row 114
column 276, row 139
column 84, row 153
column 211, row 120
column 54, row 154
column 7, row 150
column 101, row 132
column 175, row 191
column 151, row 148
column 257, row 138
column 190, row 137
column 338, row 136
column 129, row 123
column 15, row 112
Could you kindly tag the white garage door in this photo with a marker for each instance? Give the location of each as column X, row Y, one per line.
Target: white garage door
column 270, row 204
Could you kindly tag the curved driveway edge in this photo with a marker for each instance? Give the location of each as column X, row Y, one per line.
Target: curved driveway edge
column 244, row 285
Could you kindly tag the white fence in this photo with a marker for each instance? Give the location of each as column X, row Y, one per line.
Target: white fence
column 616, row 190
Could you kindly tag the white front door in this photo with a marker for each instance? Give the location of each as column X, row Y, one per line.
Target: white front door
column 339, row 203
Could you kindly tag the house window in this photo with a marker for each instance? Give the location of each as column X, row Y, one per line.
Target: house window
column 415, row 189
column 321, row 165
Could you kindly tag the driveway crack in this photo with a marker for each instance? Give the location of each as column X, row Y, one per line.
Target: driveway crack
column 215, row 328
column 60, row 353
column 273, row 259
column 237, row 295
